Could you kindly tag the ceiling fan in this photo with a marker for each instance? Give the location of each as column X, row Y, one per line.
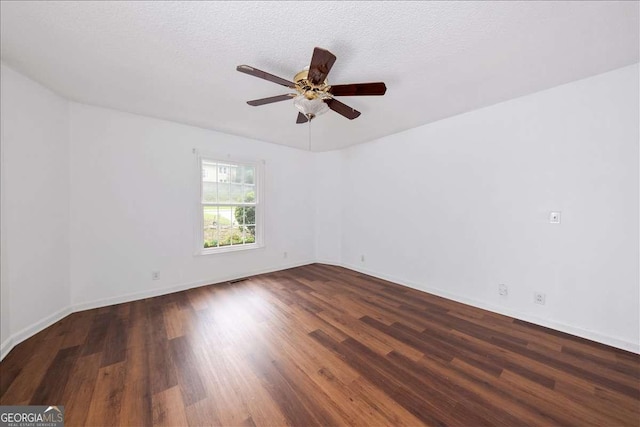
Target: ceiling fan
column 314, row 95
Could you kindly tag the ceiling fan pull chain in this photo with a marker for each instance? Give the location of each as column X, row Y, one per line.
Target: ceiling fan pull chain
column 309, row 121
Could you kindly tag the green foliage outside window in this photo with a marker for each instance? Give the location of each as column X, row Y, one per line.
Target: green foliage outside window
column 247, row 215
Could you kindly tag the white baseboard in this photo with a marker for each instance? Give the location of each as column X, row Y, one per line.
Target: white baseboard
column 33, row 329
column 177, row 288
column 572, row 330
column 328, row 262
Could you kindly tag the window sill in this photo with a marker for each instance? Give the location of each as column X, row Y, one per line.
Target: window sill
column 227, row 249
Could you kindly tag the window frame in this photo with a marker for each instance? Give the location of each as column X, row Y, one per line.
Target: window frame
column 259, row 203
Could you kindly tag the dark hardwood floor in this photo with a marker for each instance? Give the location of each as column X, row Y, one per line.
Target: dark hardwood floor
column 317, row 345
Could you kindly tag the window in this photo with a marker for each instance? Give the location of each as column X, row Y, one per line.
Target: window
column 230, row 205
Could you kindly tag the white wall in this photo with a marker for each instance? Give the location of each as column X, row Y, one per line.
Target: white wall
column 35, row 208
column 458, row 206
column 133, row 200
column 328, row 204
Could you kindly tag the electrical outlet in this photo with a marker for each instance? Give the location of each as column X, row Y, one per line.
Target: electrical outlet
column 155, row 275
column 539, row 298
column 285, row 255
column 503, row 290
column 361, row 258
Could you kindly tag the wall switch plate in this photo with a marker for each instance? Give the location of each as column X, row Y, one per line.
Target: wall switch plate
column 539, row 298
column 155, row 275
column 503, row 290
column 554, row 217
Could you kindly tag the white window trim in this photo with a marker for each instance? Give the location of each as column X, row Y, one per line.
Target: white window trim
column 260, row 184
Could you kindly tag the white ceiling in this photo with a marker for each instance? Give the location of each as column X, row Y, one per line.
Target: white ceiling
column 177, row 60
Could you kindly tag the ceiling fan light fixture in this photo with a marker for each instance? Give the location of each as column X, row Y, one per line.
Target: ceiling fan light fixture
column 310, row 107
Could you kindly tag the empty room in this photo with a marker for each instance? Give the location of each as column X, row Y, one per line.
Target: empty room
column 320, row 213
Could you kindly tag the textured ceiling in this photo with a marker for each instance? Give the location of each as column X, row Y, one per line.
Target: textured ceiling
column 177, row 60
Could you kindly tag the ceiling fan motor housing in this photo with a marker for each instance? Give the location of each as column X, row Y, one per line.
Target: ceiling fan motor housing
column 310, row 90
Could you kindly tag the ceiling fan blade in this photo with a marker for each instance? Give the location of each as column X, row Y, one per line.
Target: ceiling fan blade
column 342, row 109
column 359, row 89
column 302, row 118
column 321, row 63
column 264, row 75
column 262, row 101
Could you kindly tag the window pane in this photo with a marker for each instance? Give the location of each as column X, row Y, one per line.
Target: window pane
column 209, row 169
column 209, row 182
column 249, row 191
column 235, row 174
column 223, row 192
column 224, row 225
column 211, row 238
column 210, row 214
column 250, row 234
column 249, row 215
column 236, row 193
column 248, row 173
column 236, row 236
column 238, row 215
column 249, row 194
column 209, row 192
column 210, row 226
column 225, row 217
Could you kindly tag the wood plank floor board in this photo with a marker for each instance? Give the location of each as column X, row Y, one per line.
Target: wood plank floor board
column 96, row 337
column 168, row 408
column 106, row 401
column 79, row 324
column 506, row 357
column 282, row 392
column 115, row 349
column 617, row 403
column 422, row 409
column 162, row 370
column 315, row 364
column 204, row 413
column 556, row 402
column 55, row 378
column 224, row 397
column 587, row 398
column 393, row 414
column 317, row 345
column 581, row 372
column 78, row 392
column 500, row 393
column 136, row 407
column 439, row 404
column 606, row 364
column 35, row 367
column 253, row 394
column 476, row 355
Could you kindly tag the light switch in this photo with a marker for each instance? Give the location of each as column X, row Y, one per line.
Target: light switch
column 554, row 217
